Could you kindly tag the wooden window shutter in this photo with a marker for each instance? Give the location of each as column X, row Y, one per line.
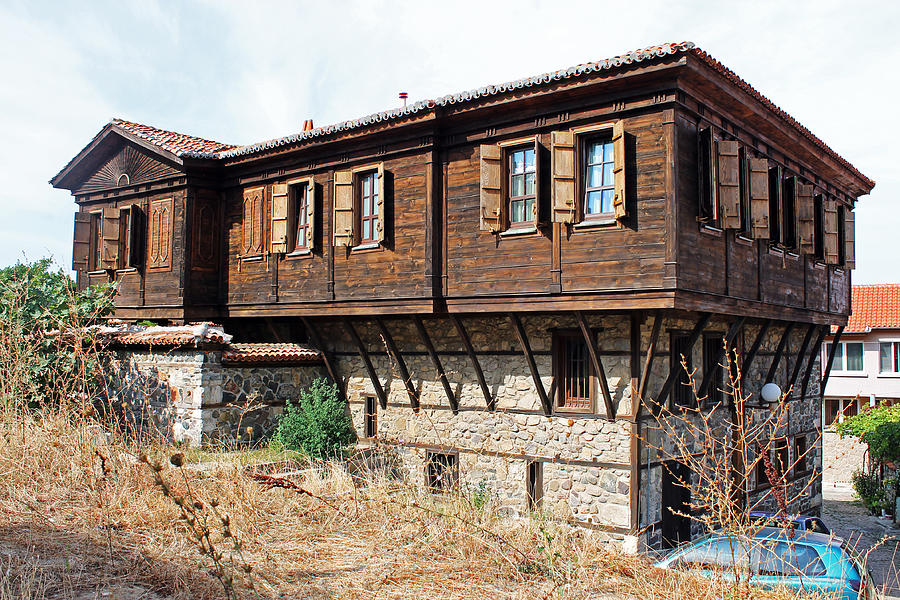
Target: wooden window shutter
column 620, row 205
column 81, row 250
column 343, row 208
column 759, row 198
column 832, row 256
column 491, row 175
column 310, row 213
column 849, row 239
column 379, row 224
column 159, row 251
column 109, row 239
column 729, row 172
column 563, row 168
column 252, row 226
column 135, row 237
column 806, row 218
column 280, row 214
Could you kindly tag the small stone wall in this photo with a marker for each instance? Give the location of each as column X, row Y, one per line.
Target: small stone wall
column 189, row 396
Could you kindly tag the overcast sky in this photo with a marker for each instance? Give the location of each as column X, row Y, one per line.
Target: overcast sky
column 243, row 72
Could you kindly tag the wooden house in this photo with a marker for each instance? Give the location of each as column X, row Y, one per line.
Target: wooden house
column 501, row 281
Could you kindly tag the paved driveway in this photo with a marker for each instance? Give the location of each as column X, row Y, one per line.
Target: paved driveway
column 851, row 521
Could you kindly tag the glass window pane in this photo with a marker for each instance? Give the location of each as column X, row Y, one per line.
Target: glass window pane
column 593, row 206
column 608, row 152
column 838, row 364
column 529, row 160
column 374, row 202
column 518, row 186
column 529, row 210
column 595, row 153
column 529, row 184
column 367, row 230
column 517, row 211
column 608, row 173
column 886, row 364
column 896, row 357
column 607, row 201
column 595, row 176
column 855, row 356
column 518, row 162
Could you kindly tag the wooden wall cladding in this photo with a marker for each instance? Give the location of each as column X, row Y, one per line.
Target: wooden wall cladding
column 127, row 167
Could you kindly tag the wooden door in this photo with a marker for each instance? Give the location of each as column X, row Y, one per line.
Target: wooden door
column 676, row 500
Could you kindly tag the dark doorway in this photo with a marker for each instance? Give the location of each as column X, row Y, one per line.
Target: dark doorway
column 676, row 500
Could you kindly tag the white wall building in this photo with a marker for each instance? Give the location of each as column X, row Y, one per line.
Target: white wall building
column 866, row 368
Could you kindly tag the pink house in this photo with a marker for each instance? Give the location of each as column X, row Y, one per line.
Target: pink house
column 866, row 364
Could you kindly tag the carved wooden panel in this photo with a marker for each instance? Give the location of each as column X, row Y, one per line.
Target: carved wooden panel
column 127, row 167
column 159, row 240
column 205, row 232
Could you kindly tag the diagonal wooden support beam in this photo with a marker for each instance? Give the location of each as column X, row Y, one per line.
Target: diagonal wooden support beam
column 595, row 362
column 328, row 358
column 436, row 361
column 361, row 348
column 748, row 359
column 803, row 347
column 648, row 363
column 817, row 348
column 470, row 350
column 401, row 364
column 675, row 371
column 827, row 372
column 529, row 358
column 720, row 354
column 779, row 352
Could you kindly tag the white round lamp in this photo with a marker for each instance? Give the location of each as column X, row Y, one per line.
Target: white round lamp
column 770, row 393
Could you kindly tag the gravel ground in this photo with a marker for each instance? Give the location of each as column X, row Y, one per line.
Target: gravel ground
column 849, row 520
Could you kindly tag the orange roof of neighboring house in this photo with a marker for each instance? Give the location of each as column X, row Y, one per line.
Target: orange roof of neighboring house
column 874, row 307
column 269, row 353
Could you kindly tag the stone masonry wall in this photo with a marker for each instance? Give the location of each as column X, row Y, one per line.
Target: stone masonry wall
column 190, row 397
column 585, row 458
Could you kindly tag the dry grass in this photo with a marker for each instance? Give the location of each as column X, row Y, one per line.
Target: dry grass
column 80, row 513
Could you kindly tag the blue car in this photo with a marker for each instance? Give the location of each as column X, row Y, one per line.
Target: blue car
column 800, row 560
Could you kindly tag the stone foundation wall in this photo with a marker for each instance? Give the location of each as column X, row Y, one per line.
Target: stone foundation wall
column 585, row 458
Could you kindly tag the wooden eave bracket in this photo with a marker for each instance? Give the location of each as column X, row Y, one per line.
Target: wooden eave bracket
column 675, row 370
column 470, row 350
column 827, row 372
column 817, row 347
column 532, row 365
column 401, row 364
column 328, row 359
column 648, row 363
column 367, row 361
column 436, row 361
column 598, row 366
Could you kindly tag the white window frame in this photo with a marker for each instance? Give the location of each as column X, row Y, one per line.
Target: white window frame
column 840, row 368
column 894, row 352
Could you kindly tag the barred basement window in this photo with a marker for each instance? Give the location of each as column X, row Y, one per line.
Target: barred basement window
column 573, row 370
column 682, row 391
column 370, row 417
column 535, row 484
column 440, row 471
column 713, row 346
column 800, row 450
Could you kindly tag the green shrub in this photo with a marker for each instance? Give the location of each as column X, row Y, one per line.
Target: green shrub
column 879, row 428
column 319, row 425
column 869, row 490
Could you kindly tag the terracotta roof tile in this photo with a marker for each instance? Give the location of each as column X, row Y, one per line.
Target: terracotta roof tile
column 183, row 336
column 874, row 307
column 186, row 145
column 176, row 143
column 269, row 353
